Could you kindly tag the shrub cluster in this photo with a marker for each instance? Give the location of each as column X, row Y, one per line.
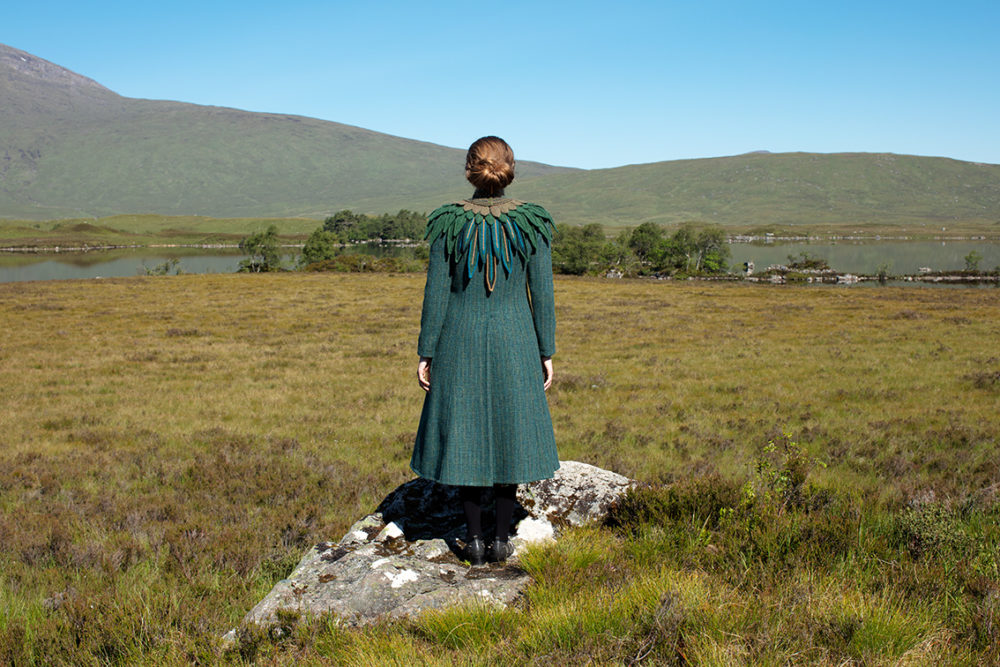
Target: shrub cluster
column 693, row 249
column 357, row 262
column 262, row 252
column 648, row 249
column 326, row 243
column 347, row 226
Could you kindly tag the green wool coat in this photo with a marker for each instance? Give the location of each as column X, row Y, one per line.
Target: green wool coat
column 485, row 419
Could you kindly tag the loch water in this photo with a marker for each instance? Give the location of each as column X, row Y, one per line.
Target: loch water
column 864, row 257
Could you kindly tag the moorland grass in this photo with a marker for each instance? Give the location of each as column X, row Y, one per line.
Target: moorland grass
column 821, row 464
column 146, row 230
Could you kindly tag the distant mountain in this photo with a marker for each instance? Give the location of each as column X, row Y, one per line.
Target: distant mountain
column 70, row 147
column 759, row 189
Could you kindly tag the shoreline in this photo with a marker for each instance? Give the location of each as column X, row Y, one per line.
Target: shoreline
column 766, row 239
column 771, row 239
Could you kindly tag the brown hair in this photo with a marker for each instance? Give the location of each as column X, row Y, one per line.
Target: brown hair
column 489, row 165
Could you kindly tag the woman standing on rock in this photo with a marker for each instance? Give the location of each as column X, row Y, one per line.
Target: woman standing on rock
column 487, row 335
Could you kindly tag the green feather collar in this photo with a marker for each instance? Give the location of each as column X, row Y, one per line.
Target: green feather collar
column 488, row 233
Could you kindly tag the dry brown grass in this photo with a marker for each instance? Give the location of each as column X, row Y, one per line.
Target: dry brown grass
column 169, row 446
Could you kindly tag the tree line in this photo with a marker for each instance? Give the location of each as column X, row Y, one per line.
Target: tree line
column 349, row 227
column 649, row 249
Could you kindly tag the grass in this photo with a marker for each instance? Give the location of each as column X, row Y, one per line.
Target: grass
column 146, row 230
column 821, row 468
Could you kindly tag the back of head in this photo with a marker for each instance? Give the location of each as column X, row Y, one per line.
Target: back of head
column 489, row 165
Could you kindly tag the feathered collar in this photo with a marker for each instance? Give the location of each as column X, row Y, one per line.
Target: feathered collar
column 488, row 233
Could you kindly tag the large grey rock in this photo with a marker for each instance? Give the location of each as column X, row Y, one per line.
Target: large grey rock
column 401, row 559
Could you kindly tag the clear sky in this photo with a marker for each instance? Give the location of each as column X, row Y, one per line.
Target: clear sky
column 583, row 84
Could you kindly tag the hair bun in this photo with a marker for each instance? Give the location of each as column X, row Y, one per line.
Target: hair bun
column 489, row 164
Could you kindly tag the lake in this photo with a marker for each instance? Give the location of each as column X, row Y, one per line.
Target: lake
column 15, row 267
column 903, row 257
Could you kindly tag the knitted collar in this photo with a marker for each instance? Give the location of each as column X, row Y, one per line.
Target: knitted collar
column 487, row 234
column 495, row 206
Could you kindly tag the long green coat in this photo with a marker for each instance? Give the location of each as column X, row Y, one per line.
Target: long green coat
column 485, row 419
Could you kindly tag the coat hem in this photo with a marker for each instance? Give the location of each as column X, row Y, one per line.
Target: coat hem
column 483, row 483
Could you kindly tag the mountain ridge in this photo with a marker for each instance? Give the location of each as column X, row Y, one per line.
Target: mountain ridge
column 787, row 189
column 69, row 147
column 27, row 65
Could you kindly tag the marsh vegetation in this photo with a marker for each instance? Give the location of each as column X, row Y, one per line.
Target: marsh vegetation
column 822, row 469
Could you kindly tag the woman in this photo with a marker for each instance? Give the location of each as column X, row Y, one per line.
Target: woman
column 487, row 335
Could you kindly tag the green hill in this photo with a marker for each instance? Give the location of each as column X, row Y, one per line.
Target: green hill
column 785, row 189
column 70, row 148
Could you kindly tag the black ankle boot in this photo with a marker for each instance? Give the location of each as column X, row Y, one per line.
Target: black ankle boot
column 474, row 551
column 500, row 551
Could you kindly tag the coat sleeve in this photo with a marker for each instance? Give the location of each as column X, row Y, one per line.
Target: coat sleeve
column 543, row 309
column 436, row 292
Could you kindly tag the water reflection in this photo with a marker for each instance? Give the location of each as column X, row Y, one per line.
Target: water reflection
column 17, row 267
column 112, row 263
column 902, row 257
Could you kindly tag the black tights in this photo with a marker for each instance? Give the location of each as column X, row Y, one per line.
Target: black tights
column 472, row 504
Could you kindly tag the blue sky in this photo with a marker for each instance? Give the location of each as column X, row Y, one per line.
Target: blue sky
column 582, row 84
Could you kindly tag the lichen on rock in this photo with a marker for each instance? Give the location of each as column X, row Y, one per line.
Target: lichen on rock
column 402, row 559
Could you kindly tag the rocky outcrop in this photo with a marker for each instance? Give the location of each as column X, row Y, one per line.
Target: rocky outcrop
column 402, row 559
